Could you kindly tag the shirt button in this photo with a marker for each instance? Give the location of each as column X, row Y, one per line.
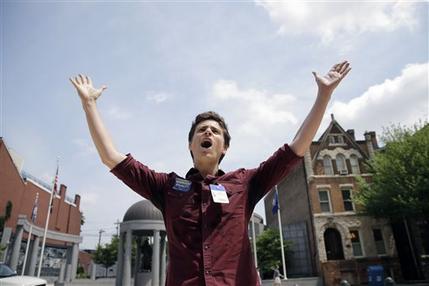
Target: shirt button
column 207, row 272
column 206, row 246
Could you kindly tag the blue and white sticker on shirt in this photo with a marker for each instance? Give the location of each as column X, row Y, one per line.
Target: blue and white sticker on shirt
column 219, row 194
column 182, row 185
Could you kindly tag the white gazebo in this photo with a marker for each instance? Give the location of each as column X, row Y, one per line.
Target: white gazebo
column 144, row 223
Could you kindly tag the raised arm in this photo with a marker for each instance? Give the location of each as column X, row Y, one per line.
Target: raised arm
column 104, row 144
column 326, row 86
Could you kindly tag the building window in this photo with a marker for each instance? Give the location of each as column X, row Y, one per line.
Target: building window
column 325, row 205
column 341, row 164
column 327, row 164
column 356, row 244
column 347, row 199
column 336, row 140
column 379, row 241
column 354, row 162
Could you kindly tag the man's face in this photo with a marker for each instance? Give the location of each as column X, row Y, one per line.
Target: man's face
column 207, row 143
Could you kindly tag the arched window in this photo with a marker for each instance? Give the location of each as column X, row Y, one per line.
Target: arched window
column 354, row 162
column 327, row 165
column 341, row 164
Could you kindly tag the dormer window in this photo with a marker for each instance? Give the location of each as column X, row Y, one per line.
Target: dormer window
column 336, row 139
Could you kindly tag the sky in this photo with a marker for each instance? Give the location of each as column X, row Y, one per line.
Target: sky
column 166, row 61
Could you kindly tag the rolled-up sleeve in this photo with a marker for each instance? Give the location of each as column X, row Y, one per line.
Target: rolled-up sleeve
column 272, row 171
column 142, row 180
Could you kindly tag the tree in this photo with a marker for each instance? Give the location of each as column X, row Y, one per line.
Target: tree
column 106, row 255
column 400, row 181
column 82, row 218
column 269, row 250
column 7, row 214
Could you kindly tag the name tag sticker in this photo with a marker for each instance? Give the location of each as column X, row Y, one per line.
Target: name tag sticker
column 219, row 194
column 182, row 185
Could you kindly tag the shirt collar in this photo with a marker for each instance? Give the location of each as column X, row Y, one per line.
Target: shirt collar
column 193, row 173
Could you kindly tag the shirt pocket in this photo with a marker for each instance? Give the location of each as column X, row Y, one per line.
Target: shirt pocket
column 236, row 203
column 233, row 213
column 178, row 203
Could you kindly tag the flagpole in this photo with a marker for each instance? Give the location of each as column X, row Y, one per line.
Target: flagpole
column 254, row 241
column 281, row 236
column 47, row 221
column 33, row 219
column 26, row 249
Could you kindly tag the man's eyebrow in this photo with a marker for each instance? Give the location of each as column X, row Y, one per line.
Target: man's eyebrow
column 204, row 126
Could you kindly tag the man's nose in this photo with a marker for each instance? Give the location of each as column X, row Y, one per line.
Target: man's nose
column 208, row 131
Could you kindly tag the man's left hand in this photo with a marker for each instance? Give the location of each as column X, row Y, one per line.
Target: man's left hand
column 330, row 81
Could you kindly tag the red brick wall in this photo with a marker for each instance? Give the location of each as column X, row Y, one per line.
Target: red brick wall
column 334, row 193
column 65, row 217
column 11, row 185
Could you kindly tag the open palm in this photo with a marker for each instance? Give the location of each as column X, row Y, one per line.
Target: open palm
column 330, row 81
column 85, row 89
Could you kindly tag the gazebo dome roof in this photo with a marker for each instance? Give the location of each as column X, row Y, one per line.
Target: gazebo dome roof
column 143, row 210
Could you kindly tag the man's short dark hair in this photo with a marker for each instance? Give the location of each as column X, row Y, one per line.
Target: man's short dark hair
column 210, row 115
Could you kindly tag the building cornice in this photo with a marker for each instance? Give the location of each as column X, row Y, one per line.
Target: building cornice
column 39, row 231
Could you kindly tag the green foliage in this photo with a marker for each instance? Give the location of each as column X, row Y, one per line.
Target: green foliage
column 269, row 250
column 2, row 222
column 80, row 274
column 82, row 218
column 8, row 210
column 400, row 182
column 2, row 249
column 106, row 255
column 6, row 216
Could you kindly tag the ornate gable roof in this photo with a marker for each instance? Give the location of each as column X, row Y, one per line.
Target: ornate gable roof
column 335, row 128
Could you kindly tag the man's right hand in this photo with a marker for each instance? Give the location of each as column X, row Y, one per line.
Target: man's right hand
column 85, row 89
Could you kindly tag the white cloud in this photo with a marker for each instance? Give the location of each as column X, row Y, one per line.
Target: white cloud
column 117, row 113
column 89, row 199
column 157, row 97
column 259, row 121
column 85, row 147
column 403, row 99
column 344, row 19
column 257, row 108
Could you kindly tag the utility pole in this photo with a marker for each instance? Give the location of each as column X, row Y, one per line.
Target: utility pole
column 117, row 227
column 99, row 236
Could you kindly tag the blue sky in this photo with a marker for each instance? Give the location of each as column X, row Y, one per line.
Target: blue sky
column 164, row 62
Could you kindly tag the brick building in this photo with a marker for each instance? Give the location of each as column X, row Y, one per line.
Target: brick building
column 318, row 214
column 18, row 189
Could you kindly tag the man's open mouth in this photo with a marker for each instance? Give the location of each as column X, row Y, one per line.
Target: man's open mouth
column 206, row 144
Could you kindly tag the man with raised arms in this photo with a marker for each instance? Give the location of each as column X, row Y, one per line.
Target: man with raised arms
column 206, row 213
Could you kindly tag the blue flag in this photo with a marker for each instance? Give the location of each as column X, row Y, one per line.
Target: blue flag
column 275, row 203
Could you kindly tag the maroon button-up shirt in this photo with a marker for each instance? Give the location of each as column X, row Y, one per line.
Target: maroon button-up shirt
column 208, row 243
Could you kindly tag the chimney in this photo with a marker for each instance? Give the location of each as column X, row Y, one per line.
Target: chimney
column 332, row 117
column 351, row 132
column 371, row 142
column 63, row 190
column 77, row 201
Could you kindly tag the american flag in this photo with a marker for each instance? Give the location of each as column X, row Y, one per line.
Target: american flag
column 35, row 208
column 54, row 191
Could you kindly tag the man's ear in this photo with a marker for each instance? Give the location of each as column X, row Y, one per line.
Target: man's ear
column 225, row 148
